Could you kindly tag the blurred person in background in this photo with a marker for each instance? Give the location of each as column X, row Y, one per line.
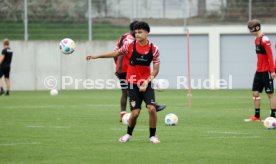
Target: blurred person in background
column 5, row 66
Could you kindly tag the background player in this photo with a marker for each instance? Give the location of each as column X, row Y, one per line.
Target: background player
column 265, row 72
column 5, row 66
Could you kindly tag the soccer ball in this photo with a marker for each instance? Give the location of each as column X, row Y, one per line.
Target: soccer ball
column 126, row 118
column 161, row 84
column 270, row 123
column 67, row 46
column 54, row 92
column 171, row 119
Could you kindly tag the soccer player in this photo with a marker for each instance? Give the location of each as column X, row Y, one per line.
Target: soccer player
column 122, row 62
column 141, row 54
column 265, row 72
column 5, row 66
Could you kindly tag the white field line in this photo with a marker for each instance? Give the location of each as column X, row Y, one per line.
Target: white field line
column 60, row 127
column 231, row 135
column 116, row 140
column 34, row 126
column 14, row 144
column 52, row 126
column 234, row 137
column 217, row 132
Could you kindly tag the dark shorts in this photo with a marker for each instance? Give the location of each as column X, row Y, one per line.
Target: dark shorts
column 123, row 82
column 5, row 70
column 136, row 97
column 263, row 80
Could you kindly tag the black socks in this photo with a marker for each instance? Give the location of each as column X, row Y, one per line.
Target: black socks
column 257, row 112
column 130, row 130
column 152, row 131
column 273, row 112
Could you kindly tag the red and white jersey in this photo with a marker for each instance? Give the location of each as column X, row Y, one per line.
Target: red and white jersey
column 265, row 61
column 137, row 74
column 127, row 39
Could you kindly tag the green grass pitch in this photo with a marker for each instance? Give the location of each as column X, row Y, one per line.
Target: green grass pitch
column 83, row 127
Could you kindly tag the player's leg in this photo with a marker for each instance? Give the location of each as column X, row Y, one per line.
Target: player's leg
column 269, row 89
column 257, row 104
column 152, row 124
column 257, row 88
column 135, row 99
column 1, row 83
column 149, row 99
column 272, row 100
column 123, row 103
column 6, row 72
column 123, row 100
column 8, row 85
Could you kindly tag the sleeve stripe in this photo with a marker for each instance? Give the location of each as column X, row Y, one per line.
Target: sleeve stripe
column 156, row 54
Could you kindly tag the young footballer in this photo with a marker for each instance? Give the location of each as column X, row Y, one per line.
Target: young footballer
column 265, row 72
column 141, row 54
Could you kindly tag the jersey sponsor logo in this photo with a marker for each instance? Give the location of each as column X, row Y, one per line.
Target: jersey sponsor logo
column 142, row 59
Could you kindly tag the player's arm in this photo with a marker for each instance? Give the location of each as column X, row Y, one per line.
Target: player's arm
column 2, row 58
column 104, row 55
column 115, row 59
column 156, row 65
column 122, row 51
column 116, row 48
column 120, row 58
column 155, row 70
column 153, row 74
column 268, row 50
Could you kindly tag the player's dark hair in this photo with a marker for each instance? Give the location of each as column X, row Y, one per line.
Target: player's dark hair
column 142, row 25
column 131, row 26
column 254, row 25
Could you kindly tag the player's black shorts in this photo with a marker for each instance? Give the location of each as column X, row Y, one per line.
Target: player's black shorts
column 136, row 97
column 263, row 80
column 5, row 70
column 122, row 78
